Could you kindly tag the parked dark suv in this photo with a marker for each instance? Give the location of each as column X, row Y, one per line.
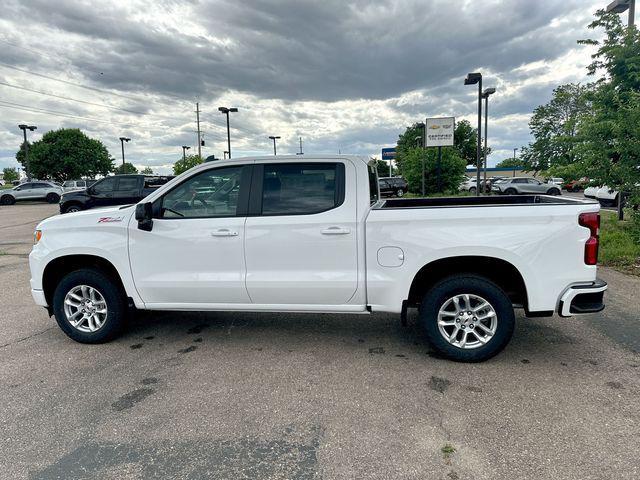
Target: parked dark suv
column 113, row 190
column 390, row 186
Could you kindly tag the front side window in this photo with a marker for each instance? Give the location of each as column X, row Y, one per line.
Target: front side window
column 210, row 194
column 105, row 186
column 300, row 188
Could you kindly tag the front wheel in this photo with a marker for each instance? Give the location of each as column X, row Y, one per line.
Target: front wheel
column 472, row 190
column 72, row 208
column 554, row 191
column 89, row 307
column 400, row 193
column 510, row 191
column 467, row 318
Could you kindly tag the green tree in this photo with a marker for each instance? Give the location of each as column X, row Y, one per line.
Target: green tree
column 465, row 141
column 10, row 174
column 185, row 164
column 383, row 168
column 66, row 154
column 509, row 163
column 555, row 129
column 146, row 171
column 452, row 170
column 610, row 150
column 125, row 169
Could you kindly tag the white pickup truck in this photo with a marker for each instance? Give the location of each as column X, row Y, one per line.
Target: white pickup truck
column 287, row 234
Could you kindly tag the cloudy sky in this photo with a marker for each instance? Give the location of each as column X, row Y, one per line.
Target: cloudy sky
column 346, row 76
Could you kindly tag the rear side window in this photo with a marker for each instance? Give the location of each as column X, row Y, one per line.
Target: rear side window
column 127, row 184
column 301, row 188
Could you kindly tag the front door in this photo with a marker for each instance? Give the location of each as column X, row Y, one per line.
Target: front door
column 301, row 242
column 194, row 254
column 26, row 191
column 102, row 192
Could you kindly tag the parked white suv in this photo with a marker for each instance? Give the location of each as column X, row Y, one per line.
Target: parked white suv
column 282, row 234
column 34, row 190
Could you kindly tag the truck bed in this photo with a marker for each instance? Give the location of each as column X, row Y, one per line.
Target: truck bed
column 471, row 201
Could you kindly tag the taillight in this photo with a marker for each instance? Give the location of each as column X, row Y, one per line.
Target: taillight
column 592, row 222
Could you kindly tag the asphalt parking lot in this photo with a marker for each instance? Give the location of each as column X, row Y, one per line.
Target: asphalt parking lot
column 225, row 395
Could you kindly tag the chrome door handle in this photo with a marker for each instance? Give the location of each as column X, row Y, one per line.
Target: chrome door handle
column 224, row 232
column 335, row 231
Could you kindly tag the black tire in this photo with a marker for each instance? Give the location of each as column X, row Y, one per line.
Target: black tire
column 400, row 193
column 115, row 302
column 470, row 284
column 554, row 191
column 52, row 198
column 7, row 200
column 73, row 207
column 510, row 191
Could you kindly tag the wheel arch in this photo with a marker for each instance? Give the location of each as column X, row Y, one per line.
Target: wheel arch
column 57, row 268
column 499, row 271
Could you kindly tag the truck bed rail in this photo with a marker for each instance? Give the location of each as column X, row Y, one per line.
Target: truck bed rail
column 485, row 201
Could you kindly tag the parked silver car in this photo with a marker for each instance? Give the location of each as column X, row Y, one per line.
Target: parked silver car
column 524, row 185
column 34, row 190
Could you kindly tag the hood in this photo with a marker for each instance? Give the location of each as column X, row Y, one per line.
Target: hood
column 111, row 216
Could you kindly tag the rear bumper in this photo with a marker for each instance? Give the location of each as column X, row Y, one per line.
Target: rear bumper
column 580, row 299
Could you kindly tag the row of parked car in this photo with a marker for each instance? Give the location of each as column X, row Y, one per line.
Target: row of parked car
column 514, row 185
column 76, row 195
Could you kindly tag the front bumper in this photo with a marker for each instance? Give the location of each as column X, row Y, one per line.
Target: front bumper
column 39, row 298
column 580, row 299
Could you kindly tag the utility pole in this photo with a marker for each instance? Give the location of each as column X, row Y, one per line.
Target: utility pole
column 300, row 152
column 198, row 123
column 24, row 129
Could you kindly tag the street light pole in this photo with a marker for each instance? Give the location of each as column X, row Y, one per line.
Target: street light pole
column 274, row 138
column 514, row 161
column 24, row 129
column 472, row 79
column 485, row 95
column 122, row 140
column 184, row 152
column 619, row 6
column 226, row 111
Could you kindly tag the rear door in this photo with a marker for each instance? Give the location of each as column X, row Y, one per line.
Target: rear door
column 127, row 190
column 301, row 237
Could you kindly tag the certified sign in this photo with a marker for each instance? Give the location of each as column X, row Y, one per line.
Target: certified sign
column 440, row 131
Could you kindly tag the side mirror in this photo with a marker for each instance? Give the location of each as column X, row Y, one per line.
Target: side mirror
column 144, row 216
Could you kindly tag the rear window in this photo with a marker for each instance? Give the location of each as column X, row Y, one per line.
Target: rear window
column 301, row 188
column 127, row 184
column 374, row 194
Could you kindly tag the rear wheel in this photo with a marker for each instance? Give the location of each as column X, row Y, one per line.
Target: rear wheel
column 554, row 191
column 400, row 193
column 7, row 200
column 89, row 307
column 467, row 318
column 511, row 191
column 472, row 190
column 53, row 197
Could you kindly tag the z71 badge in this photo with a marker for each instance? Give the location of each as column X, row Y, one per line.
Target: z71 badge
column 109, row 219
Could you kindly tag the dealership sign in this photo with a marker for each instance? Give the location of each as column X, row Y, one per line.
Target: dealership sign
column 388, row 153
column 440, row 131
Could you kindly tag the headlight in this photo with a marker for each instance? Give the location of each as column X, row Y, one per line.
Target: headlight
column 37, row 235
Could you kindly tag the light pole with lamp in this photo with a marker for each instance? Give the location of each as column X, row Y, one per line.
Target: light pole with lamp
column 619, row 6
column 24, row 129
column 226, row 111
column 472, row 79
column 122, row 140
column 184, row 152
column 485, row 95
column 274, row 138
